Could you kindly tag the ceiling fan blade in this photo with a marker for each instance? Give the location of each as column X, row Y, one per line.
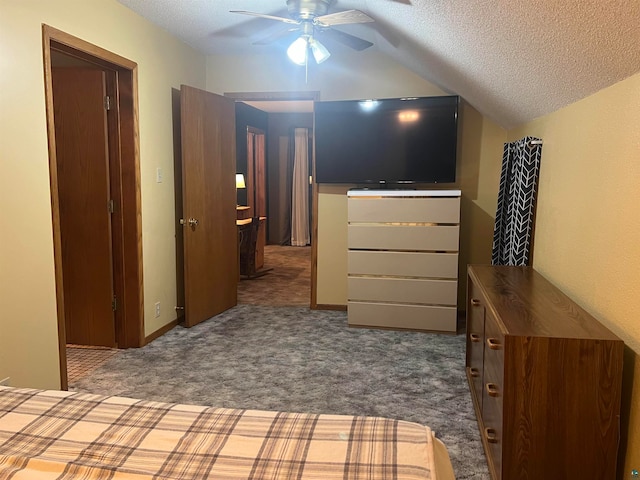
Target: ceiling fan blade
column 270, row 17
column 342, row 18
column 277, row 35
column 349, row 40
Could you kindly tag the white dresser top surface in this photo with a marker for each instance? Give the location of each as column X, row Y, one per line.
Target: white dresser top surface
column 403, row 193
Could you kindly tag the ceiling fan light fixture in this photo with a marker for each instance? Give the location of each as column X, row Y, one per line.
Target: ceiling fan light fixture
column 298, row 50
column 320, row 52
column 311, row 17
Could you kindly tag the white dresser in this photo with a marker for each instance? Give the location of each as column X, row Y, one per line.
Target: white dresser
column 403, row 258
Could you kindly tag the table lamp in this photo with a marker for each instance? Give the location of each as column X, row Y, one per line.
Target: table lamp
column 240, row 181
column 239, row 184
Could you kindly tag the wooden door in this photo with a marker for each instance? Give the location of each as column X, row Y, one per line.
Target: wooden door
column 257, row 186
column 84, row 199
column 260, row 169
column 208, row 204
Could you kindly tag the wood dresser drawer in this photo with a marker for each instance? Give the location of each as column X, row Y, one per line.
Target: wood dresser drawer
column 551, row 378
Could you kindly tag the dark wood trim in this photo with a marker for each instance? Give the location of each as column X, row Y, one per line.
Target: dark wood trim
column 132, row 334
column 158, row 333
column 130, row 321
column 88, row 52
column 326, row 306
column 314, row 235
column 115, row 187
column 55, row 209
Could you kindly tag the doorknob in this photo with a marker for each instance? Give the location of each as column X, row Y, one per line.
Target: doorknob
column 192, row 222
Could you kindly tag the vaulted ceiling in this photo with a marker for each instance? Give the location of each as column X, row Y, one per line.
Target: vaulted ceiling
column 513, row 60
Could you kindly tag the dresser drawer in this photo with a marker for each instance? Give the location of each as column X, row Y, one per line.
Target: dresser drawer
column 493, row 351
column 403, row 237
column 404, row 210
column 403, row 290
column 493, row 430
column 403, row 264
column 414, row 317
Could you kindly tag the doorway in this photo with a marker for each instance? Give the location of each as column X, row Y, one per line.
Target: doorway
column 276, row 113
column 93, row 176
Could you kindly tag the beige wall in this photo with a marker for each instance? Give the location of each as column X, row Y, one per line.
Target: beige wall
column 28, row 323
column 587, row 230
column 347, row 76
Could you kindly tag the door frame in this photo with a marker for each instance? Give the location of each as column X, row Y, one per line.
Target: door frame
column 312, row 95
column 127, row 223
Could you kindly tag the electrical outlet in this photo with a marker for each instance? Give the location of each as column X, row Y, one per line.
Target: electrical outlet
column 157, row 309
column 5, row 381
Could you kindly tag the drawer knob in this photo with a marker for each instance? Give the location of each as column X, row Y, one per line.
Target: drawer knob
column 492, row 389
column 491, row 435
column 474, row 337
column 494, row 344
column 474, row 372
column 475, row 302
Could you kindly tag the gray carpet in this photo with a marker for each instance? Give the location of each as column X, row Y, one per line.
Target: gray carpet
column 301, row 360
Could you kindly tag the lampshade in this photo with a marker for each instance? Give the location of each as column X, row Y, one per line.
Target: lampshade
column 240, row 181
column 297, row 51
column 320, row 52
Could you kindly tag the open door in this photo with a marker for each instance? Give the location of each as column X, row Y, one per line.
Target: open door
column 208, row 204
column 84, row 196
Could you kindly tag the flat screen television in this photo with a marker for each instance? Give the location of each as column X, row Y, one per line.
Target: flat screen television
column 394, row 141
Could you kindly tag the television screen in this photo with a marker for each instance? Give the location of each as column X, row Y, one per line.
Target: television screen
column 389, row 141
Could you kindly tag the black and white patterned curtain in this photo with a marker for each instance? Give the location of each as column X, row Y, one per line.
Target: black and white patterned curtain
column 516, row 202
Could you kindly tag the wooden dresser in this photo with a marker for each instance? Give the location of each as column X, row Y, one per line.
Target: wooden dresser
column 545, row 378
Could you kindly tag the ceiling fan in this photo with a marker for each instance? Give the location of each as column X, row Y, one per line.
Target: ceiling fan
column 311, row 18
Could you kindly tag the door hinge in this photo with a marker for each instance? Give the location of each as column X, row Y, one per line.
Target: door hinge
column 107, row 102
column 111, row 206
column 114, row 304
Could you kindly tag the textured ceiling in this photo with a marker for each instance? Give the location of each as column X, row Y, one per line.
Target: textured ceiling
column 513, row 60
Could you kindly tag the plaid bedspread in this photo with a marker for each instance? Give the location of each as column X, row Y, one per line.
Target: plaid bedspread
column 63, row 435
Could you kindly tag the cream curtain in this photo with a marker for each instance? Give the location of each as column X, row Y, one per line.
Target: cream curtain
column 300, row 191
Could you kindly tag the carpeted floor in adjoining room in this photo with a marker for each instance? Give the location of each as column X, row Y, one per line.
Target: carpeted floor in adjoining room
column 287, row 283
column 302, row 360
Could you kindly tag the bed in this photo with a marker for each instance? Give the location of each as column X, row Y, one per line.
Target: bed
column 50, row 434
